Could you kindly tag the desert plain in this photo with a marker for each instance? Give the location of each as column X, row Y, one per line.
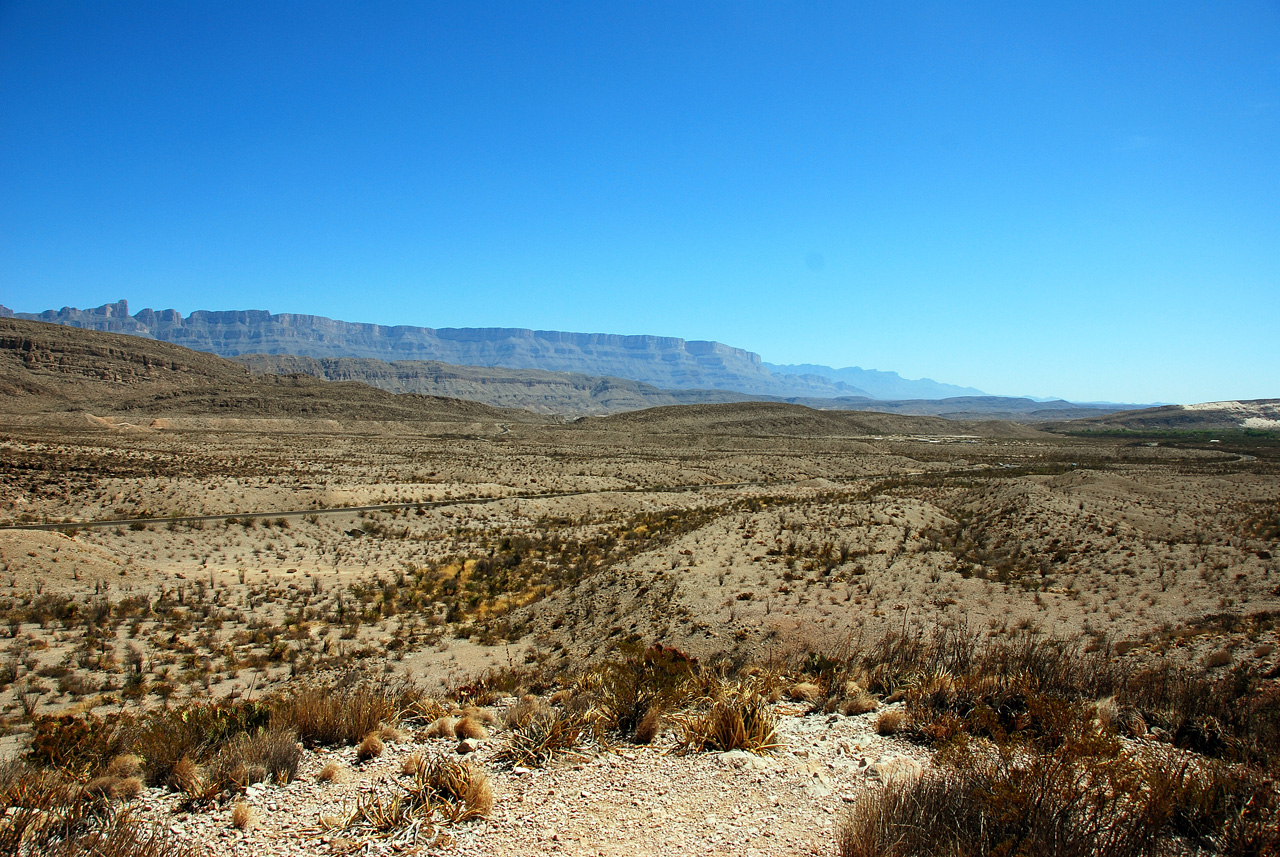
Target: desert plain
column 160, row 552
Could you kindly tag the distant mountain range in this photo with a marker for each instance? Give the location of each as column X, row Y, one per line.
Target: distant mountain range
column 887, row 385
column 47, row 366
column 665, row 362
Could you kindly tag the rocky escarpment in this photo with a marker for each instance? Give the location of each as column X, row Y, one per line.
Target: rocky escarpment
column 47, row 368
column 662, row 361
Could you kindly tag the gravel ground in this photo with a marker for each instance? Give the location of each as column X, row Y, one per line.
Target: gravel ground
column 626, row 800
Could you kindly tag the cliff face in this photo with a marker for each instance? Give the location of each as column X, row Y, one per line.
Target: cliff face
column 661, row 361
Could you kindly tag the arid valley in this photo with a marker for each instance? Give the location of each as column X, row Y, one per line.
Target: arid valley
column 183, row 541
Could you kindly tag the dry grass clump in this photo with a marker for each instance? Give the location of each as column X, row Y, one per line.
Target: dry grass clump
column 443, row 727
column 736, row 721
column 470, row 728
column 330, row 773
column 185, row 776
column 269, row 754
column 344, row 713
column 462, row 787
column 804, row 691
column 125, row 765
column 128, row 788
column 412, row 763
column 103, row 788
column 243, row 816
column 483, row 716
column 619, row 695
column 47, row 813
column 860, row 703
column 891, row 722
column 1083, row 798
column 370, row 748
column 541, row 734
column 528, row 707
column 649, row 727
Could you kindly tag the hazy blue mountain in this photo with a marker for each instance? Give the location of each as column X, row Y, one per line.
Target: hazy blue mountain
column 878, row 384
column 670, row 363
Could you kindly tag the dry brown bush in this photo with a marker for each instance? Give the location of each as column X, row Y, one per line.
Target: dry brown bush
column 47, row 814
column 344, row 712
column 861, row 703
column 185, row 776
column 529, row 706
column 412, row 763
column 125, row 765
column 243, row 816
column 129, row 788
column 649, row 727
column 736, row 721
column 891, row 722
column 271, row 754
column 469, row 728
column 102, row 788
column 370, row 748
column 805, row 691
column 462, row 786
column 481, row 715
column 330, row 773
column 542, row 734
column 441, row 728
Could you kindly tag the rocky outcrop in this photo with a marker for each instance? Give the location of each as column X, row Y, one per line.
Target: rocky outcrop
column 662, row 361
column 531, row 389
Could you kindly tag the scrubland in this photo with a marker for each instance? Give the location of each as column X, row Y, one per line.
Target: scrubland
column 1076, row 635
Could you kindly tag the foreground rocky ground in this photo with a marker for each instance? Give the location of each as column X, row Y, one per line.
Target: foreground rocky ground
column 620, row 801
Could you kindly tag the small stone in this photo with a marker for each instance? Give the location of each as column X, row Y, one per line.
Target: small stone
column 467, row 745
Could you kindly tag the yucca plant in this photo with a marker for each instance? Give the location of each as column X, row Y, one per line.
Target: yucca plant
column 736, row 721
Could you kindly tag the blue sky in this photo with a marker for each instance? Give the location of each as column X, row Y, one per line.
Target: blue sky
column 1081, row 200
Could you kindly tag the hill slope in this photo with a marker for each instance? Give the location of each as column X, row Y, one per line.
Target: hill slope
column 47, row 367
column 769, row 419
column 665, row 362
column 1256, row 414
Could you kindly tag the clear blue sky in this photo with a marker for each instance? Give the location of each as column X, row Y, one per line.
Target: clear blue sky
column 1068, row 199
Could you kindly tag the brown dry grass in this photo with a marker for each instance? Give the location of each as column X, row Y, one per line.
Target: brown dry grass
column 330, row 773
column 243, row 816
column 370, row 748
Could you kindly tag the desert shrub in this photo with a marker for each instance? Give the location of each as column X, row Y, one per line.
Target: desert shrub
column 268, row 754
column 412, row 763
column 526, row 708
column 1234, row 716
column 125, row 765
column 804, row 691
column 81, row 744
column 370, row 748
column 48, row 814
column 649, row 727
column 483, row 716
column 194, row 732
column 954, row 682
column 468, row 727
column 1084, row 797
column 441, row 728
column 243, row 816
column 541, row 735
column 344, row 712
column 736, row 721
column 625, row 691
column 890, row 722
column 861, row 702
column 330, row 773
column 461, row 787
